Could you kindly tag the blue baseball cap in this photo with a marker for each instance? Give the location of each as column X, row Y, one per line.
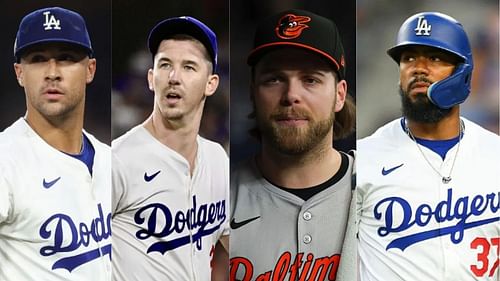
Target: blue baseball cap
column 184, row 25
column 52, row 24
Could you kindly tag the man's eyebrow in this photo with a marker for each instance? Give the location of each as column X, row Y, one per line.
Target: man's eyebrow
column 272, row 69
column 161, row 59
column 189, row 62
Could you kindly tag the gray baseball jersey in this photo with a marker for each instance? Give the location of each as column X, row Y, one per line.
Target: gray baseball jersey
column 166, row 221
column 55, row 218
column 276, row 235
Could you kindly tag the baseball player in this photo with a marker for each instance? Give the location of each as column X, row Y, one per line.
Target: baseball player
column 55, row 195
column 290, row 203
column 171, row 186
column 428, row 183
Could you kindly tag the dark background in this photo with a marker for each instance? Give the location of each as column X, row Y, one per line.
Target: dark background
column 132, row 100
column 97, row 15
column 244, row 18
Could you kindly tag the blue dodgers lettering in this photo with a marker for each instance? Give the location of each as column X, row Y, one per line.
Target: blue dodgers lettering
column 79, row 236
column 206, row 218
column 458, row 211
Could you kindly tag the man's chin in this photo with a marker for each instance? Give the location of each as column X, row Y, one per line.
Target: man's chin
column 420, row 109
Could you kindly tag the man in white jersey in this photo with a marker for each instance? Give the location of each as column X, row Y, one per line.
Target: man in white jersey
column 428, row 183
column 171, row 186
column 55, row 181
column 290, row 203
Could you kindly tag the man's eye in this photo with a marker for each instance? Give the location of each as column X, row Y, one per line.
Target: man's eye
column 435, row 58
column 164, row 65
column 407, row 58
column 272, row 80
column 37, row 58
column 66, row 57
column 311, row 80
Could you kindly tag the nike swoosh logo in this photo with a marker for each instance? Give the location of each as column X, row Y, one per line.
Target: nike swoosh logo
column 50, row 183
column 236, row 225
column 150, row 178
column 388, row 171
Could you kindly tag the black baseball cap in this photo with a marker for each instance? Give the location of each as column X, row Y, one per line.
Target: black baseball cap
column 301, row 29
column 184, row 25
column 53, row 24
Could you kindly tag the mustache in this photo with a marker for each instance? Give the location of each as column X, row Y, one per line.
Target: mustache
column 290, row 113
column 418, row 79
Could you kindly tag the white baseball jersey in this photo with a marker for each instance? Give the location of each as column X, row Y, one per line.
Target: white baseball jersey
column 412, row 226
column 165, row 221
column 55, row 218
column 275, row 235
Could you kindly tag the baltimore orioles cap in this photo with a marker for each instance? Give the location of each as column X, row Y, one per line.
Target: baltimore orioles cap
column 184, row 25
column 301, row 29
column 52, row 24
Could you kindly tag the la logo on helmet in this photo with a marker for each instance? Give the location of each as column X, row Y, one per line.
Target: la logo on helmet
column 423, row 28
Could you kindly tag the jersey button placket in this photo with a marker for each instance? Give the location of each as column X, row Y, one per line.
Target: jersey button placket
column 307, row 239
column 304, row 222
column 307, row 216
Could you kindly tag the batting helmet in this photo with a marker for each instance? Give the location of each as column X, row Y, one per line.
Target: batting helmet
column 445, row 33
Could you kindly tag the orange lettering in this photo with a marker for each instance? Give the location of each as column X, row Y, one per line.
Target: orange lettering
column 321, row 266
column 247, row 265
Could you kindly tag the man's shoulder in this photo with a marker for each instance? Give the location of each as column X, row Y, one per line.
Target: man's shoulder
column 212, row 148
column 245, row 173
column 98, row 145
column 482, row 138
column 13, row 138
column 130, row 139
column 385, row 135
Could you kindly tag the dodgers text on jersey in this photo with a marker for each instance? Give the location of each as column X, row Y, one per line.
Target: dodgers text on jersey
column 56, row 228
column 205, row 218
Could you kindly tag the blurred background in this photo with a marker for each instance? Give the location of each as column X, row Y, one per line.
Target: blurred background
column 244, row 18
column 378, row 101
column 132, row 101
column 97, row 14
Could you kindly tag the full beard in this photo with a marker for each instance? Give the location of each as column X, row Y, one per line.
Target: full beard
column 292, row 140
column 421, row 109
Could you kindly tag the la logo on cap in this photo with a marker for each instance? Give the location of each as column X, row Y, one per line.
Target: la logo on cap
column 51, row 22
column 290, row 26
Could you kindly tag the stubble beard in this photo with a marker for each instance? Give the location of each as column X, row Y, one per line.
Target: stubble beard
column 59, row 110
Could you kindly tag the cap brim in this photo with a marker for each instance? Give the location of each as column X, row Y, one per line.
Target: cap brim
column 395, row 52
column 258, row 52
column 78, row 44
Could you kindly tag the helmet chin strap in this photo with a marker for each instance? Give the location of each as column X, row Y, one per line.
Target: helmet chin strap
column 453, row 90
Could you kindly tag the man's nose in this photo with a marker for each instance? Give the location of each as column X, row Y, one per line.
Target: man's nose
column 52, row 71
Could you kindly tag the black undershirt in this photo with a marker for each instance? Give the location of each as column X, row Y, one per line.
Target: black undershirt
column 308, row 192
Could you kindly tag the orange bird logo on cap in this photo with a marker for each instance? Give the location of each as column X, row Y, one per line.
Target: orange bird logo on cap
column 290, row 26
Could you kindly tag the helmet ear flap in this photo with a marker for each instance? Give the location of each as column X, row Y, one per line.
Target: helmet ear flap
column 452, row 90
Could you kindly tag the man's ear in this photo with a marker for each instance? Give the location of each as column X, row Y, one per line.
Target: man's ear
column 150, row 80
column 212, row 84
column 91, row 68
column 18, row 69
column 340, row 95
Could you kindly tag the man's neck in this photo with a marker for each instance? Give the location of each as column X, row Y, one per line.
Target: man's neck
column 299, row 171
column 62, row 133
column 445, row 129
column 181, row 137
